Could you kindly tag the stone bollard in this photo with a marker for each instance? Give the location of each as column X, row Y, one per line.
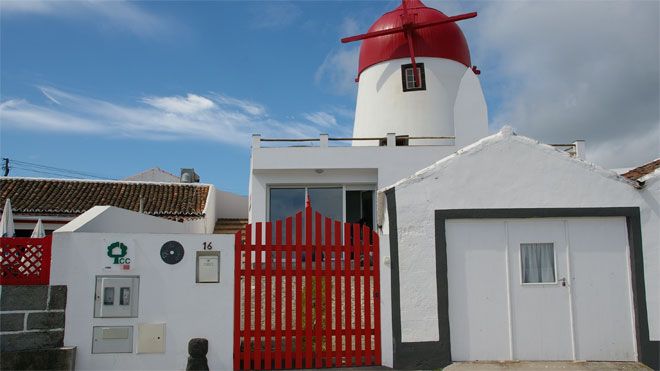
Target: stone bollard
column 197, row 349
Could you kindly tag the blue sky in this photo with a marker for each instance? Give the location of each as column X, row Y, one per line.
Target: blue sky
column 113, row 88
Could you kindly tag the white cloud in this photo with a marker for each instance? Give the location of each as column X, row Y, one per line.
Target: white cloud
column 246, row 106
column 213, row 117
column 575, row 70
column 338, row 71
column 349, row 27
column 117, row 14
column 321, row 118
column 274, row 14
column 190, row 104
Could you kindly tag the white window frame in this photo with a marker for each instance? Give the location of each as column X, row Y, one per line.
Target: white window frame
column 554, row 260
column 344, row 188
column 410, row 78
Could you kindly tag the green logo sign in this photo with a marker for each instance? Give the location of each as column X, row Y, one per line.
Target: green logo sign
column 117, row 251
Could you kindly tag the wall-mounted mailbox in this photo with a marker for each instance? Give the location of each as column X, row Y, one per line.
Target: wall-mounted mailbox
column 208, row 266
column 116, row 296
column 112, row 339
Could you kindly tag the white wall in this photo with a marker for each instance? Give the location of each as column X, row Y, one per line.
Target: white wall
column 378, row 166
column 383, row 107
column 230, row 205
column 114, row 219
column 210, row 210
column 470, row 111
column 506, row 171
column 168, row 294
column 387, row 345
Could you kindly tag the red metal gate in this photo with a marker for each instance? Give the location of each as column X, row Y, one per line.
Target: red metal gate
column 308, row 297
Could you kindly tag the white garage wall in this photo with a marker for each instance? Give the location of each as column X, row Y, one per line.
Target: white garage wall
column 505, row 171
column 167, row 294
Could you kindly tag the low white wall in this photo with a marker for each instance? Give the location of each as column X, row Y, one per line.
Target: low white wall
column 109, row 218
column 167, row 294
column 507, row 171
column 387, row 345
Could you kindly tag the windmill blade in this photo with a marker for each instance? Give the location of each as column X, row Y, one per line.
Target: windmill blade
column 411, row 49
column 454, row 18
column 369, row 35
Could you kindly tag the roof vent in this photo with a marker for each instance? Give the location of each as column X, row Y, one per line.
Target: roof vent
column 189, row 176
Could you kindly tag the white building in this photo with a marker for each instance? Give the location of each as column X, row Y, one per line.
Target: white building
column 459, row 237
column 491, row 247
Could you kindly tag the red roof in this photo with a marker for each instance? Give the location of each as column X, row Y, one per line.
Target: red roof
column 441, row 41
column 56, row 197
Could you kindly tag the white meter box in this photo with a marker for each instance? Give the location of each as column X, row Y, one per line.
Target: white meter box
column 208, row 267
column 116, row 296
column 151, row 338
column 112, row 339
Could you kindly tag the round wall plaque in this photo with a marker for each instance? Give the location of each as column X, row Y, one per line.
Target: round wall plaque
column 171, row 252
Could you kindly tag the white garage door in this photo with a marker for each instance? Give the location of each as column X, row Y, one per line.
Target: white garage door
column 540, row 289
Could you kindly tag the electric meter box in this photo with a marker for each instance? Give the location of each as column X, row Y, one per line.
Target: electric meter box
column 116, row 296
column 112, row 339
column 208, row 267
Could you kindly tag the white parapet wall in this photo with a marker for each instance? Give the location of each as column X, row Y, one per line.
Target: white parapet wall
column 168, row 293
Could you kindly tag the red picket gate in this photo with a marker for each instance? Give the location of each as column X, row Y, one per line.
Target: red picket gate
column 308, row 302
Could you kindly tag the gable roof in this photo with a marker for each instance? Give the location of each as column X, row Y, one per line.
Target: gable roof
column 643, row 170
column 58, row 197
column 155, row 174
column 506, row 133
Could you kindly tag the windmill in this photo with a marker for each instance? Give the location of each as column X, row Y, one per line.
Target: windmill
column 408, row 27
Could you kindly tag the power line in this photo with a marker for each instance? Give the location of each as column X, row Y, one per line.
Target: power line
column 50, row 170
column 45, row 172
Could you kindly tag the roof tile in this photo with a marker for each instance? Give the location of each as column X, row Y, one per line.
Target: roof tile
column 643, row 170
column 73, row 197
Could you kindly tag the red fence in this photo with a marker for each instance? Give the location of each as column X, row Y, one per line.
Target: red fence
column 312, row 301
column 25, row 261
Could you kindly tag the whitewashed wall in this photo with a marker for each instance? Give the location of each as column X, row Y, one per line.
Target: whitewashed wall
column 230, row 205
column 383, row 107
column 377, row 166
column 168, row 294
column 452, row 104
column 387, row 342
column 506, row 171
column 110, row 218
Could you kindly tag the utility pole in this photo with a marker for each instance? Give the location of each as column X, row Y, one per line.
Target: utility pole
column 5, row 166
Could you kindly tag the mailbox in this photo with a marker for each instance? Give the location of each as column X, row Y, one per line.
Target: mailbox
column 116, row 296
column 208, row 266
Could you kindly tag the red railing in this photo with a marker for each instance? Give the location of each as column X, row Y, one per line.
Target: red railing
column 324, row 287
column 25, row 261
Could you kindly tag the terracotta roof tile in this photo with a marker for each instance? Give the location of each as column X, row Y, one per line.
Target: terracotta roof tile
column 643, row 170
column 73, row 197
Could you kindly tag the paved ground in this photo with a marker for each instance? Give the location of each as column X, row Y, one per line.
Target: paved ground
column 569, row 366
column 523, row 366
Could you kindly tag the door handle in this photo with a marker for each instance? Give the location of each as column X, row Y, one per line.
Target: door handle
column 563, row 281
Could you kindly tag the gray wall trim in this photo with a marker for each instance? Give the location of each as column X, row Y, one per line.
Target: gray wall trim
column 649, row 351
column 416, row 355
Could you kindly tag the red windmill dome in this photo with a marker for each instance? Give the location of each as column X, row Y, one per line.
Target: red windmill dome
column 413, row 30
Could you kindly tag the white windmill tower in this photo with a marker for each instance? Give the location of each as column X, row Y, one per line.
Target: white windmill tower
column 415, row 78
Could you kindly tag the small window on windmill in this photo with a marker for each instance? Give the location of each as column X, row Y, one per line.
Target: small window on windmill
column 410, row 83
